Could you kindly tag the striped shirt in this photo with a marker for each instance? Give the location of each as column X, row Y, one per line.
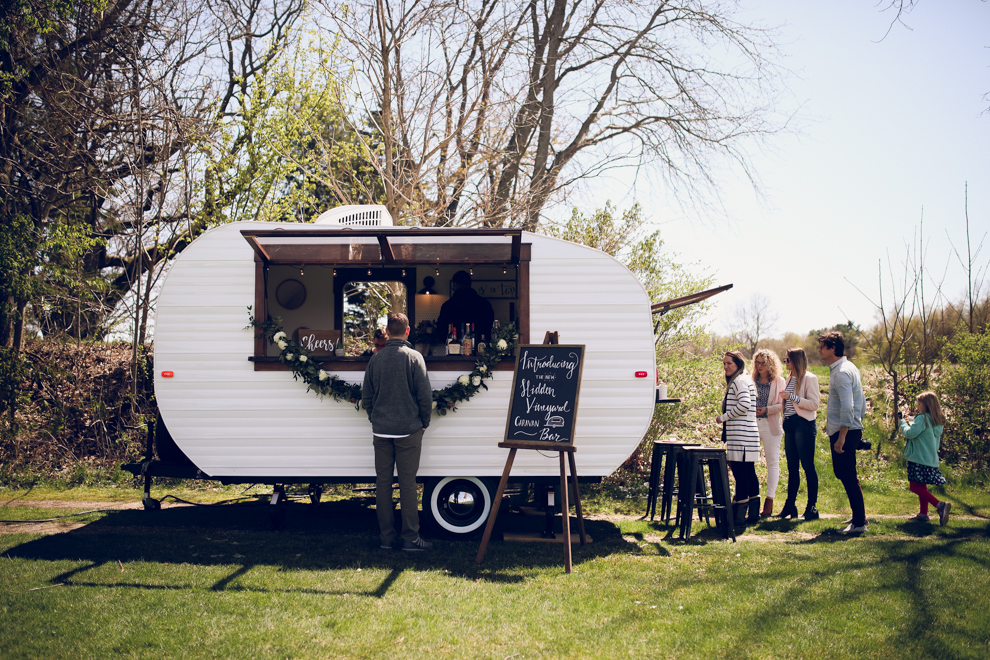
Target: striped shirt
column 739, row 416
column 788, row 403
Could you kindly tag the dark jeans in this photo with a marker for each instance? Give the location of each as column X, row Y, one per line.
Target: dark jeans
column 844, row 467
column 399, row 456
column 799, row 450
column 747, row 483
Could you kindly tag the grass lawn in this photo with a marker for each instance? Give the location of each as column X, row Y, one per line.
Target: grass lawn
column 217, row 582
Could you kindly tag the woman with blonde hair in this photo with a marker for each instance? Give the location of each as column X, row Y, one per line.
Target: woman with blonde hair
column 923, row 435
column 800, row 399
column 741, row 437
column 769, row 384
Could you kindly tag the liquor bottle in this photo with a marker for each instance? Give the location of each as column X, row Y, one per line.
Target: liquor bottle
column 468, row 342
column 453, row 346
column 480, row 343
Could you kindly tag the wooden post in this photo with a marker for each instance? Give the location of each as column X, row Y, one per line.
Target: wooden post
column 496, row 504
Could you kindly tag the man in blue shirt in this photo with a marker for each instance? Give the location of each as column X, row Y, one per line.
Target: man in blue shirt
column 844, row 423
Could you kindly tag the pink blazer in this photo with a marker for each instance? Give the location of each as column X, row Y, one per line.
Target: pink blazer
column 810, row 397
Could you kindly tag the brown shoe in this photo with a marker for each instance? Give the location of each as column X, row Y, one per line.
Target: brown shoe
column 767, row 508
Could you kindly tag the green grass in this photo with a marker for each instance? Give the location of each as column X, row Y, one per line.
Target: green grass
column 217, row 582
column 209, row 582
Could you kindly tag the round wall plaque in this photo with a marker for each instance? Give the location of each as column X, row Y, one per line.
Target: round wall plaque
column 290, row 294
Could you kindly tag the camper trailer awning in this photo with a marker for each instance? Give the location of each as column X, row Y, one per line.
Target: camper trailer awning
column 399, row 246
column 662, row 308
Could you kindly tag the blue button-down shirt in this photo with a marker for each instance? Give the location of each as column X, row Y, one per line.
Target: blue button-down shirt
column 846, row 403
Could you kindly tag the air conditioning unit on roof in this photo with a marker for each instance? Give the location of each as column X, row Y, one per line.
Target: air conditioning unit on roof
column 356, row 215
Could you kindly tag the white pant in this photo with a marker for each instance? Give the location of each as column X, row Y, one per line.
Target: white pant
column 771, row 449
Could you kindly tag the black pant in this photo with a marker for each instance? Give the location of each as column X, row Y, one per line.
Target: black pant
column 844, row 467
column 747, row 483
column 799, row 450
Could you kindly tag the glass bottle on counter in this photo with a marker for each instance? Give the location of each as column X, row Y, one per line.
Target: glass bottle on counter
column 453, row 346
column 468, row 344
column 480, row 346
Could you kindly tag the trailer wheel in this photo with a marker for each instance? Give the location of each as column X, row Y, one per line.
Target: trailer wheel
column 458, row 505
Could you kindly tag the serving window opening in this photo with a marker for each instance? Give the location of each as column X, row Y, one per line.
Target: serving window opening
column 346, row 282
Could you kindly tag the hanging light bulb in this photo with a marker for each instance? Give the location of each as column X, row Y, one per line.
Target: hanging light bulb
column 335, row 272
column 470, row 271
column 503, row 269
column 301, row 269
column 369, row 271
column 403, row 272
column 438, row 272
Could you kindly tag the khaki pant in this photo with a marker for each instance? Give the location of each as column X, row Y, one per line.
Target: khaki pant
column 400, row 455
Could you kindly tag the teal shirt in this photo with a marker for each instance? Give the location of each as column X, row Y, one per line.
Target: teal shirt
column 922, row 440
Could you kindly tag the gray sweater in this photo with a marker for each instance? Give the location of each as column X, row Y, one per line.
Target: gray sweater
column 397, row 394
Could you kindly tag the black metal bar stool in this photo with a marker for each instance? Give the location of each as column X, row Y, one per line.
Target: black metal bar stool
column 668, row 467
column 694, row 463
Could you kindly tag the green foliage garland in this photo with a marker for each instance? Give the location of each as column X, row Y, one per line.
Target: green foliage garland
column 307, row 368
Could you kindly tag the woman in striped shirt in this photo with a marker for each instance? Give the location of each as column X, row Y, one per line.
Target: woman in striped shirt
column 741, row 437
column 800, row 398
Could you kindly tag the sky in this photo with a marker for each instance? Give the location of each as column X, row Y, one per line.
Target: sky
column 888, row 132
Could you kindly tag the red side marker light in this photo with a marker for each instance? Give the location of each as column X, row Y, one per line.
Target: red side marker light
column 167, row 374
column 642, row 374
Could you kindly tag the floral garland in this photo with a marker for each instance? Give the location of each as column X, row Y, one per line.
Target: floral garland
column 306, row 367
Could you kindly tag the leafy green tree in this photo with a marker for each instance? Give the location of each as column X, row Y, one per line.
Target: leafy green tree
column 851, row 335
column 270, row 161
column 964, row 391
column 102, row 104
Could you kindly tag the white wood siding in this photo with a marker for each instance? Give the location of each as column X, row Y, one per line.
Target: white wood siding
column 233, row 421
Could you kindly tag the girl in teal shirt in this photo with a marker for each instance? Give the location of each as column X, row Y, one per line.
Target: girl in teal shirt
column 921, row 451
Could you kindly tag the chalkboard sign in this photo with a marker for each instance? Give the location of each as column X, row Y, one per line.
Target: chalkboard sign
column 545, row 393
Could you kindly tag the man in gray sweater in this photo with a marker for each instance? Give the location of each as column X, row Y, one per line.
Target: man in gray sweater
column 399, row 400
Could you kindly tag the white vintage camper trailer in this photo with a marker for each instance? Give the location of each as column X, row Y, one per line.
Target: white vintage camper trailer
column 236, row 412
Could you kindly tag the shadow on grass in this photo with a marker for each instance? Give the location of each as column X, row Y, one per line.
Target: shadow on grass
column 330, row 536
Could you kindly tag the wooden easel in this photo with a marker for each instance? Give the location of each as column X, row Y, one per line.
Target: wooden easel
column 512, row 446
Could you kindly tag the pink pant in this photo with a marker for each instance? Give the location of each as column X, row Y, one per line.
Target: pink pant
column 924, row 497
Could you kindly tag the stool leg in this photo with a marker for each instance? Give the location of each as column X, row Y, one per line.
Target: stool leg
column 717, row 497
column 668, row 485
column 700, row 487
column 688, row 497
column 730, row 526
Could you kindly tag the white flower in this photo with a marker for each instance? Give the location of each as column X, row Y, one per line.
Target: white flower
column 434, row 406
column 290, row 356
column 482, row 368
column 323, row 375
column 501, row 345
column 463, row 380
column 281, row 344
column 476, row 380
column 303, row 358
column 279, row 336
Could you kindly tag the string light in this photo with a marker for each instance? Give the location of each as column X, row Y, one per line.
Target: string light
column 470, row 271
column 438, row 272
column 301, row 269
column 335, row 272
column 403, row 272
column 503, row 269
column 369, row 271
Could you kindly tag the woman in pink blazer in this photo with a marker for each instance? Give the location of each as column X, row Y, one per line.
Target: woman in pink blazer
column 800, row 399
column 769, row 385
